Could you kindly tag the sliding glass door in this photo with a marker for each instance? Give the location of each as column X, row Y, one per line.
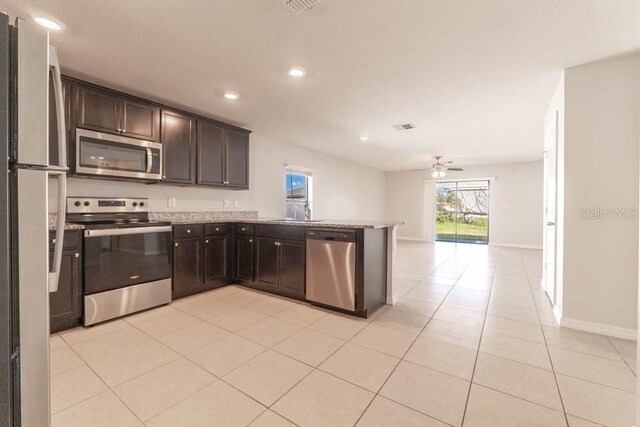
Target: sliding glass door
column 462, row 212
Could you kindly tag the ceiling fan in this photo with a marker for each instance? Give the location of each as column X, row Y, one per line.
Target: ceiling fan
column 439, row 169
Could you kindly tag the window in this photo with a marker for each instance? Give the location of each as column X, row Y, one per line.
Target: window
column 462, row 212
column 299, row 192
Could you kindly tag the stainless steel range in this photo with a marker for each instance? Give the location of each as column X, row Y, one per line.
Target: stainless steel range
column 127, row 257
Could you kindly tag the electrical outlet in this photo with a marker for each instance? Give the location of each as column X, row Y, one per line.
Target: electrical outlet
column 236, row 203
column 171, row 202
column 225, row 203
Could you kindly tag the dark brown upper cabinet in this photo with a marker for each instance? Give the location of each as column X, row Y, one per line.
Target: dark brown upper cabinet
column 237, row 159
column 223, row 156
column 178, row 137
column 211, row 152
column 104, row 111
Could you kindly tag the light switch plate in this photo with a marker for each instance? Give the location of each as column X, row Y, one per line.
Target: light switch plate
column 225, row 203
column 171, row 202
column 236, row 203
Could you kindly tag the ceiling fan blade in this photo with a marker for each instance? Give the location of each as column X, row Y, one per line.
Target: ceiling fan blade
column 455, row 169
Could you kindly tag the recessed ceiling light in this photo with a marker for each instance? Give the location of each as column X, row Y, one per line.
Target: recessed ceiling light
column 296, row 72
column 47, row 23
column 364, row 138
column 231, row 95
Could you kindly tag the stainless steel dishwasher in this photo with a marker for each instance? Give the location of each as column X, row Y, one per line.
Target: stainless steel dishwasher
column 331, row 268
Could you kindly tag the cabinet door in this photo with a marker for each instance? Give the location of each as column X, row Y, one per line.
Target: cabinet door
column 140, row 120
column 53, row 119
column 65, row 304
column 97, row 110
column 244, row 258
column 292, row 266
column 178, row 148
column 267, row 261
column 187, row 267
column 237, row 159
column 216, row 257
column 211, row 142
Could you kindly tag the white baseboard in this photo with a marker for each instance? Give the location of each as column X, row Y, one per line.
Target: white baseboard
column 597, row 328
column 515, row 245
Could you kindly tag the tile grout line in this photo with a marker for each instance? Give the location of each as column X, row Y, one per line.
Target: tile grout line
column 413, row 342
column 620, row 354
column 546, row 346
column 475, row 363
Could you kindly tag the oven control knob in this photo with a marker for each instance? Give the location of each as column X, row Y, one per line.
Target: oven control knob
column 141, row 204
column 135, row 204
column 87, row 203
column 77, row 203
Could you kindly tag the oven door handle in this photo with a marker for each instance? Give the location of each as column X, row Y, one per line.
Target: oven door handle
column 126, row 231
column 149, row 160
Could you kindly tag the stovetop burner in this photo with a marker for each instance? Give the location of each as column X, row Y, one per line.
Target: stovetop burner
column 105, row 213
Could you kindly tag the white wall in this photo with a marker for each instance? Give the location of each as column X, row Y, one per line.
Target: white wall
column 342, row 189
column 515, row 202
column 602, row 128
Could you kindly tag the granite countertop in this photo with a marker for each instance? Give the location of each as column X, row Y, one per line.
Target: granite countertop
column 53, row 218
column 250, row 217
column 178, row 218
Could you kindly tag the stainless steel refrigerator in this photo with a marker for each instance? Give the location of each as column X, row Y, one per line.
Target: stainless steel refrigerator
column 28, row 62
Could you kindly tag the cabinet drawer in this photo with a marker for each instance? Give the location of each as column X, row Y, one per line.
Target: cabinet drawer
column 188, row 231
column 244, row 229
column 213, row 229
column 289, row 232
column 72, row 239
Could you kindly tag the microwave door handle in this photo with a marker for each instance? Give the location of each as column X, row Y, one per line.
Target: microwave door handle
column 149, row 160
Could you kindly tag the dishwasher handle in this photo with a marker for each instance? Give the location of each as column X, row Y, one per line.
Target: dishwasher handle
column 331, row 235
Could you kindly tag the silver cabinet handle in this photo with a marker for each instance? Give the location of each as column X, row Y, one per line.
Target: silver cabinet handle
column 77, row 255
column 217, row 228
column 175, row 244
column 243, row 229
column 206, row 241
column 53, row 241
column 250, row 240
column 164, row 176
column 188, row 231
column 123, row 130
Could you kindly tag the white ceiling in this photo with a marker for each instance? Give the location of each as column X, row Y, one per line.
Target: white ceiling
column 475, row 76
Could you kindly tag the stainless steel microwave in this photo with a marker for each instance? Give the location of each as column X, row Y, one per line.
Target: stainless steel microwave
column 108, row 155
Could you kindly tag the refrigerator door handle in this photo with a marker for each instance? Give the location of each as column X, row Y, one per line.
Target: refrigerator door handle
column 61, row 209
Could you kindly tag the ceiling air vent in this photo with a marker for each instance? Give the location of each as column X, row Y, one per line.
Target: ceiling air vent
column 405, row 126
column 300, row 7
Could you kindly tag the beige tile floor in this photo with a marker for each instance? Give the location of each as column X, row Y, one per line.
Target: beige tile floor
column 471, row 341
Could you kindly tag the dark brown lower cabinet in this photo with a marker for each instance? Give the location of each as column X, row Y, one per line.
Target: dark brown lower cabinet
column 187, row 267
column 280, row 265
column 292, row 266
column 267, row 255
column 65, row 305
column 217, row 260
column 244, row 258
column 200, row 263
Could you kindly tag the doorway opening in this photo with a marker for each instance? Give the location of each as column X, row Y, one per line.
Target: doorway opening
column 462, row 212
